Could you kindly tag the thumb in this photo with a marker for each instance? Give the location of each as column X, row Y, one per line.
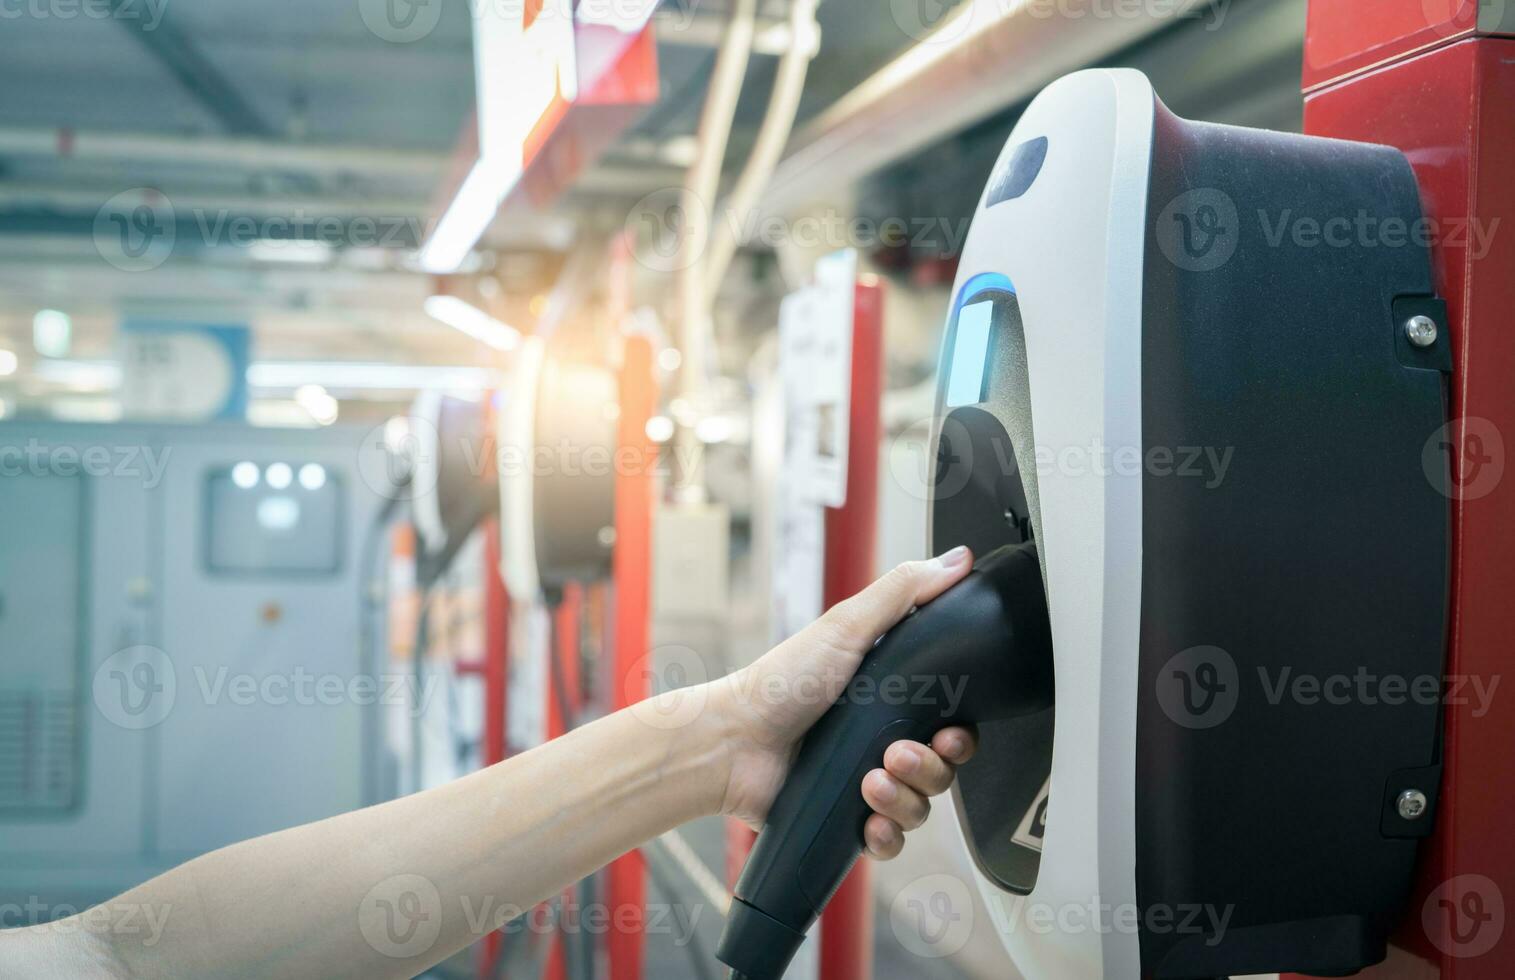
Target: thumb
column 866, row 616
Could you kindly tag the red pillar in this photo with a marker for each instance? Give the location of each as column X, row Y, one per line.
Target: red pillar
column 496, row 672
column 851, row 532
column 1424, row 76
column 631, row 575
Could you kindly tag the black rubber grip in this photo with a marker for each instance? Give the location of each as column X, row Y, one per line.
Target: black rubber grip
column 982, row 651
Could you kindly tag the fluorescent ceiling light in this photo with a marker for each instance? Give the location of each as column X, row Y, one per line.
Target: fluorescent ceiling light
column 85, row 409
column 358, row 376
column 79, row 375
column 290, row 251
column 101, row 376
column 467, row 215
column 52, row 331
column 517, row 76
column 8, row 362
column 318, row 402
column 469, row 319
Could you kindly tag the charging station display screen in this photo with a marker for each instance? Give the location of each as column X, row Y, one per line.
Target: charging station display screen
column 970, row 354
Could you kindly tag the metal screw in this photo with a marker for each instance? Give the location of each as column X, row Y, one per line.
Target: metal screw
column 1421, row 330
column 1411, row 804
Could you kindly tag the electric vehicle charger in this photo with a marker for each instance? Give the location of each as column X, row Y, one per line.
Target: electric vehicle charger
column 1178, row 364
column 979, row 652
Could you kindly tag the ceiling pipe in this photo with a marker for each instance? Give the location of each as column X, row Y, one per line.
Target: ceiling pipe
column 986, row 57
column 730, row 226
column 700, row 188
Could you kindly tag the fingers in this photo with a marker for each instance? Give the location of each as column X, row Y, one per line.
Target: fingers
column 956, row 745
column 883, row 838
column 891, row 798
column 864, row 617
column 918, row 767
column 898, row 793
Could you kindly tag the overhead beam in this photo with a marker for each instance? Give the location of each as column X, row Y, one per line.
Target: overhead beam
column 240, row 153
column 201, row 79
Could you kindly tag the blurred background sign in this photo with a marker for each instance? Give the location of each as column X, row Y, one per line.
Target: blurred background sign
column 183, row 372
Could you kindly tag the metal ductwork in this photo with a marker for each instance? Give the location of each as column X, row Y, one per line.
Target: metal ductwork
column 988, row 56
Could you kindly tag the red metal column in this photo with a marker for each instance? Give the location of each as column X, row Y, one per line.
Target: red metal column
column 631, row 573
column 851, row 535
column 1422, row 76
column 496, row 676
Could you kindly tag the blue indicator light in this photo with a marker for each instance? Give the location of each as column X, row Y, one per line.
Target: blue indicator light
column 970, row 354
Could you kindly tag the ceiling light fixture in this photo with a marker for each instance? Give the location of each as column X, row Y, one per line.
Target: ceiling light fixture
column 469, row 319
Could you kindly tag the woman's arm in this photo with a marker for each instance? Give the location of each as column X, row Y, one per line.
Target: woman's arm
column 390, row 889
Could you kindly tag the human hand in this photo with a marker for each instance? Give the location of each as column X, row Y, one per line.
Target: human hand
column 767, row 708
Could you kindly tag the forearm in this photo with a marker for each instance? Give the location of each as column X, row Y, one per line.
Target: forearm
column 357, row 895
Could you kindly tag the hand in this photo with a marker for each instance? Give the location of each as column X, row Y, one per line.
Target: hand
column 767, row 708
